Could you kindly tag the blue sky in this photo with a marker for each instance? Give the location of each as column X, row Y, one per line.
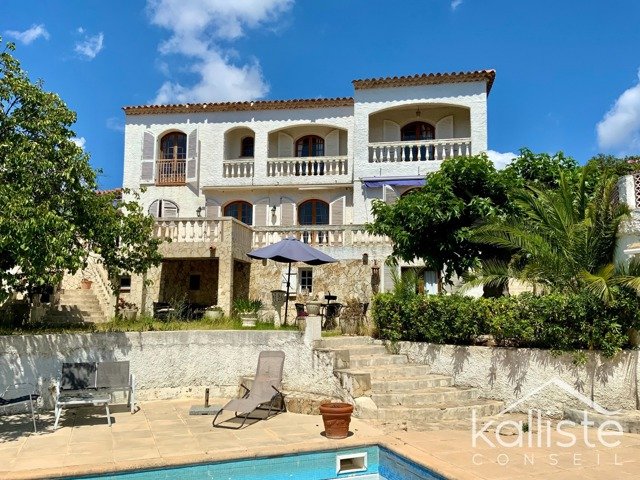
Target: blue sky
column 567, row 71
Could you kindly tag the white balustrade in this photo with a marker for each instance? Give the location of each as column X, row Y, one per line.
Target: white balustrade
column 237, row 168
column 318, row 235
column 307, row 166
column 190, row 230
column 419, row 150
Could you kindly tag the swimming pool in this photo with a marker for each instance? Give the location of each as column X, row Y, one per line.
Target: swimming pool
column 364, row 463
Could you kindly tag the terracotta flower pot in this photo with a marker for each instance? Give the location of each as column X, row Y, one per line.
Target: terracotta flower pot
column 336, row 418
column 85, row 284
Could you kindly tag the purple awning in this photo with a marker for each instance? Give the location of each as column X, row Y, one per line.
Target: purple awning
column 398, row 182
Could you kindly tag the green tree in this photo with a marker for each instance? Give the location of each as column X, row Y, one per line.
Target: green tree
column 561, row 240
column 50, row 214
column 434, row 222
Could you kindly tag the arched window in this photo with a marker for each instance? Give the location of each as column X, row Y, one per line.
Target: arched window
column 310, row 146
column 246, row 147
column 163, row 209
column 172, row 163
column 417, row 131
column 410, row 191
column 240, row 210
column 314, row 212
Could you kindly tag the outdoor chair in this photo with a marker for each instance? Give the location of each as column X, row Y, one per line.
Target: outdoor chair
column 20, row 393
column 265, row 393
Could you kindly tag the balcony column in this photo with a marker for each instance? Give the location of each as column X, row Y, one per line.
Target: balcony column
column 478, row 117
column 260, row 154
column 225, row 282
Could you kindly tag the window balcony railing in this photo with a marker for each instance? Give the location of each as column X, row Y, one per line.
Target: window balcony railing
column 171, row 172
column 318, row 235
column 237, row 168
column 307, row 166
column 419, row 150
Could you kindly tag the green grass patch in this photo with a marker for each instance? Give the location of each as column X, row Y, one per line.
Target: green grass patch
column 141, row 324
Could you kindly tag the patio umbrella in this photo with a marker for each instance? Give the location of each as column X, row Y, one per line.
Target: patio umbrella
column 289, row 250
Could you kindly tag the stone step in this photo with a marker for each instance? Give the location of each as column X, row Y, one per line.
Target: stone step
column 357, row 361
column 70, row 318
column 393, row 372
column 346, row 340
column 74, row 307
column 426, row 397
column 362, row 349
column 436, row 413
column 404, row 384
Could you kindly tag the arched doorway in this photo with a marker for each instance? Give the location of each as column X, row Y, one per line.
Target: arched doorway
column 418, row 131
column 314, row 212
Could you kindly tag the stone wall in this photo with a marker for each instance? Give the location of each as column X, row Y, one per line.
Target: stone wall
column 169, row 364
column 346, row 279
column 174, row 281
column 509, row 374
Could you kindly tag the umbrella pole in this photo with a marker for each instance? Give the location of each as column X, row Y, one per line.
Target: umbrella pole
column 286, row 305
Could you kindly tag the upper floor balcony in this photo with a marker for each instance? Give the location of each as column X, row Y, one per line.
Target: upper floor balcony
column 419, row 133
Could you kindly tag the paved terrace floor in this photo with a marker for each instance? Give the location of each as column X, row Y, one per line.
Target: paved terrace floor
column 163, row 433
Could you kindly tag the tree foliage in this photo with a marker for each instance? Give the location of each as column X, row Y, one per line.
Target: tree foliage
column 434, row 222
column 51, row 216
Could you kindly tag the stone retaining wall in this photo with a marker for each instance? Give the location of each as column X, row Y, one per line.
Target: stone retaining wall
column 509, row 374
column 170, row 364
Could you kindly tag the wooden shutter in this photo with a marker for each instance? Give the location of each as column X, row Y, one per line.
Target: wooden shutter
column 390, row 195
column 332, row 143
column 287, row 212
column 293, row 280
column 169, row 209
column 336, row 211
column 260, row 213
column 192, row 157
column 387, row 277
column 444, row 127
column 154, row 208
column 147, row 170
column 390, row 131
column 285, row 145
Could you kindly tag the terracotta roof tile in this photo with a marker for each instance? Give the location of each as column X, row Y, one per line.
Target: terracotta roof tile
column 115, row 191
column 240, row 106
column 427, row 79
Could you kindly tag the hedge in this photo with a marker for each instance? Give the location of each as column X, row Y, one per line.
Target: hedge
column 563, row 322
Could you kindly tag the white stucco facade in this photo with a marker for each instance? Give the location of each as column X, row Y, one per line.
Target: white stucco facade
column 308, row 168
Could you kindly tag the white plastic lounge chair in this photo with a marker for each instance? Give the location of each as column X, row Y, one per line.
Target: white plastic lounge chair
column 21, row 393
column 265, row 393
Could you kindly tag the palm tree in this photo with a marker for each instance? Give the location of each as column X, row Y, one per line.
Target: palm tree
column 562, row 240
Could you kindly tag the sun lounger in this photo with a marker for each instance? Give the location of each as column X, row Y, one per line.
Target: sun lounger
column 265, row 393
column 18, row 393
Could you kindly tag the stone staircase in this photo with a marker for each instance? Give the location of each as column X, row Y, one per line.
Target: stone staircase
column 76, row 306
column 390, row 390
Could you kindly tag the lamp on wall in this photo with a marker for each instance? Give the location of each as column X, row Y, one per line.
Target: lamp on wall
column 199, row 211
column 365, row 259
column 273, row 210
column 375, row 277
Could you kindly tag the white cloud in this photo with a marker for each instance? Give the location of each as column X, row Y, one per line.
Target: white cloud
column 79, row 141
column 199, row 28
column 29, row 35
column 500, row 160
column 115, row 123
column 619, row 129
column 455, row 4
column 90, row 45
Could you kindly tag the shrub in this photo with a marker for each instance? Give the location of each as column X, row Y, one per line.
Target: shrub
column 562, row 322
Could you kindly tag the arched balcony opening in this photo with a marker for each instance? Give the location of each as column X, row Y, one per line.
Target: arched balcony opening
column 172, row 164
column 419, row 132
column 239, row 152
column 314, row 212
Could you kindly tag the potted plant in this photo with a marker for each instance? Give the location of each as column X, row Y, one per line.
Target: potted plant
column 313, row 306
column 127, row 310
column 247, row 310
column 214, row 312
column 336, row 418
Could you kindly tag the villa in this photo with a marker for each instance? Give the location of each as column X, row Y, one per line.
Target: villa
column 225, row 178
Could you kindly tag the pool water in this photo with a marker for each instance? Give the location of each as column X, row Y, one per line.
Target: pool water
column 364, row 463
